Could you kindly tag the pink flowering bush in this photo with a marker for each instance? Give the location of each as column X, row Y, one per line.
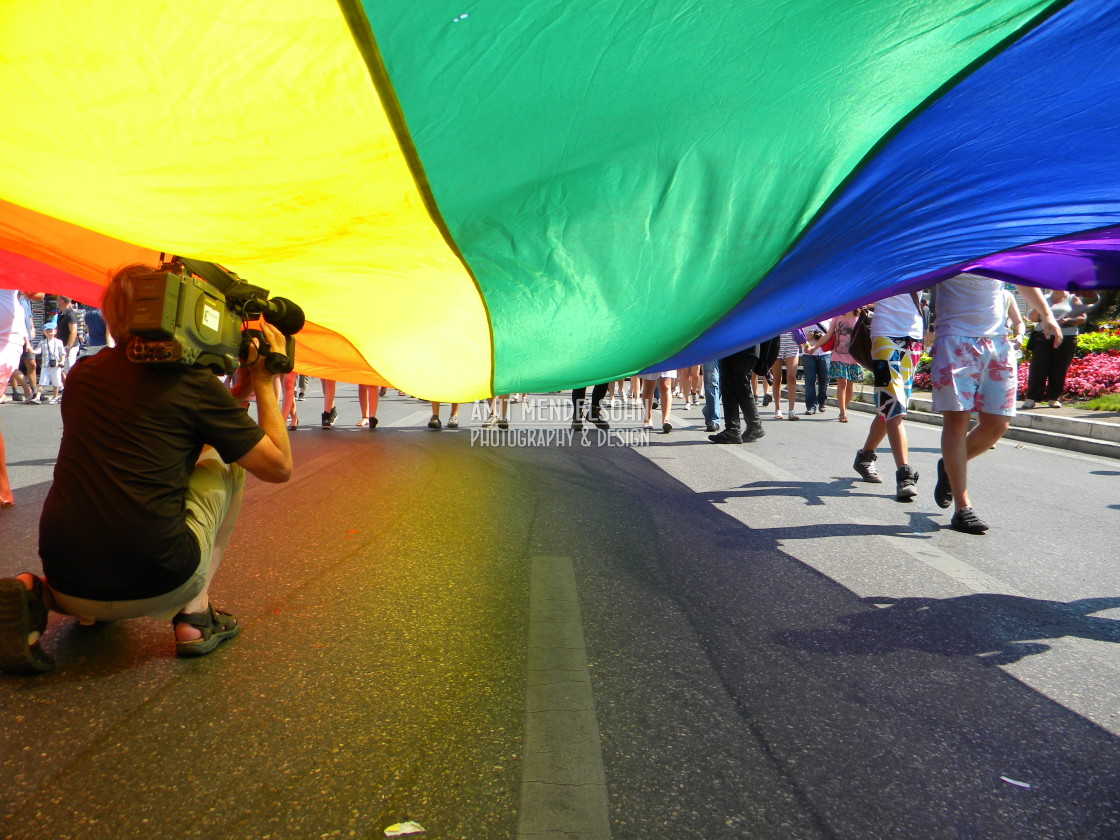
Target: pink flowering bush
column 1088, row 377
column 923, row 382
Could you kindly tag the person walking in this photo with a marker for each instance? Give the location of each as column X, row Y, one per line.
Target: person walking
column 974, row 370
column 814, row 364
column 896, row 344
column 841, row 366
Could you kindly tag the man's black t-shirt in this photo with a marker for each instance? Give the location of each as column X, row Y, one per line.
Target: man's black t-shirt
column 113, row 526
column 65, row 318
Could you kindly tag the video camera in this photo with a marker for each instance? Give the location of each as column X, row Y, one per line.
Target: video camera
column 195, row 313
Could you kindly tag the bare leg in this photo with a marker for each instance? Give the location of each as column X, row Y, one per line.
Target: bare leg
column 288, row 410
column 328, row 394
column 896, row 435
column 791, row 382
column 666, row 385
column 647, row 401
column 6, row 499
column 844, row 390
column 959, row 446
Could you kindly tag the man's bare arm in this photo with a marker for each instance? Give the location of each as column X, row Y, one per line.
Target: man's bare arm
column 1038, row 304
column 271, row 459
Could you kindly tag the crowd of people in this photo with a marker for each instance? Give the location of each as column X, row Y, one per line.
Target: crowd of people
column 156, row 544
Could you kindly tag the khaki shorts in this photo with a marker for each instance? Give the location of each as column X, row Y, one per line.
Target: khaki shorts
column 212, row 488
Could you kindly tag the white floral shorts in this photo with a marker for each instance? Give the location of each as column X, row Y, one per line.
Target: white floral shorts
column 974, row 374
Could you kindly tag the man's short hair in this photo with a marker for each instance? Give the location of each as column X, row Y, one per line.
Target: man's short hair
column 64, row 299
column 116, row 301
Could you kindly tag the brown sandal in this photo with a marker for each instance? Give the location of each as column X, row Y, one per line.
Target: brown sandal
column 23, row 611
column 216, row 627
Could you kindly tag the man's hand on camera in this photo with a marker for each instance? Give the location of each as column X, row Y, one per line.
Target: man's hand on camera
column 258, row 358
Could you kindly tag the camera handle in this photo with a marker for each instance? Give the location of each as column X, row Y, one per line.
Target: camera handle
column 275, row 363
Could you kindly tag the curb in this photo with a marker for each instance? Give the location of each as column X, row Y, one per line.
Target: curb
column 1088, row 437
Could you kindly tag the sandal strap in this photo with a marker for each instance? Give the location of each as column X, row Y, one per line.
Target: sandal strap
column 206, row 621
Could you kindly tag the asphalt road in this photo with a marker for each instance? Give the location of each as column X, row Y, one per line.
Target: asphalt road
column 661, row 640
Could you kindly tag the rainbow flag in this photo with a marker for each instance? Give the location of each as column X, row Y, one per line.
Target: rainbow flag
column 492, row 196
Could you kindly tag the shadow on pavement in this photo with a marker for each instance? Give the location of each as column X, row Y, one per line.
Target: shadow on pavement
column 996, row 629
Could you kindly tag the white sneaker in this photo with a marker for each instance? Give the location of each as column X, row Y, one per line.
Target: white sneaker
column 1055, row 403
column 1028, row 404
column 54, row 400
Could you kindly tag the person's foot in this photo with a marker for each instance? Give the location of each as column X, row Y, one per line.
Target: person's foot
column 372, row 423
column 810, row 410
column 599, row 420
column 489, row 422
column 503, row 423
column 766, row 400
column 381, row 391
column 666, row 427
column 577, row 425
column 1055, row 403
column 301, row 396
column 843, row 418
column 726, row 437
column 711, row 427
column 1028, row 405
column 329, row 417
column 793, row 416
column 434, row 424
column 54, row 400
column 906, row 483
column 778, row 415
column 754, row 433
column 966, row 521
column 23, row 620
column 453, row 421
column 864, row 464
column 362, row 422
column 942, row 490
column 197, row 634
column 821, row 408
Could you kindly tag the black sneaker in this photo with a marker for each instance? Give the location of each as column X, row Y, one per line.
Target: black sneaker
column 967, row 522
column 726, row 437
column 329, row 417
column 766, row 400
column 599, row 420
column 754, row 433
column 942, row 491
column 372, row 423
column 434, row 424
column 711, row 427
column 864, row 464
column 906, row 482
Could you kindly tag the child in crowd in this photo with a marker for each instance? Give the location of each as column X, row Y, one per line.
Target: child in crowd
column 52, row 354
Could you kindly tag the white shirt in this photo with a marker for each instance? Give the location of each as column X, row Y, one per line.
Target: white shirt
column 13, row 328
column 897, row 316
column 971, row 305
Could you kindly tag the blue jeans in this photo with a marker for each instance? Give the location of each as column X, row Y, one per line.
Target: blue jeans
column 816, row 379
column 711, row 393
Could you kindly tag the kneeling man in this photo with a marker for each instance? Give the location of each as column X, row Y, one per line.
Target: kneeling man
column 147, row 489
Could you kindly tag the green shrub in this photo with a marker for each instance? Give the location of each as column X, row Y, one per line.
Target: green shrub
column 1098, row 342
